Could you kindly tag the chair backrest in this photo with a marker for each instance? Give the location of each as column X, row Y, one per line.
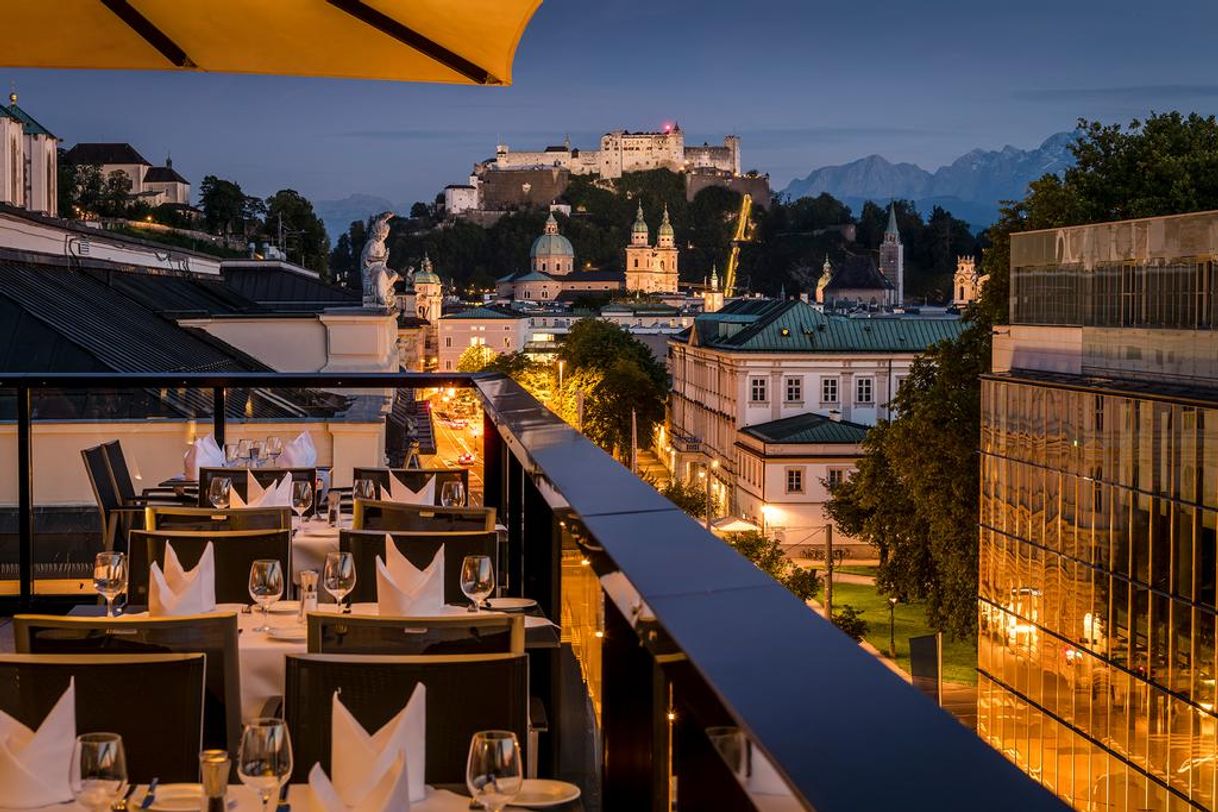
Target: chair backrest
column 373, row 514
column 213, row 635
column 465, row 694
column 104, row 490
column 416, row 478
column 451, row 634
column 419, row 549
column 234, row 552
column 155, row 702
column 217, row 519
column 265, row 477
column 120, row 474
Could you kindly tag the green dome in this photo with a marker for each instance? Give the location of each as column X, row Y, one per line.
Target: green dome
column 640, row 225
column 425, row 275
column 551, row 245
column 666, row 227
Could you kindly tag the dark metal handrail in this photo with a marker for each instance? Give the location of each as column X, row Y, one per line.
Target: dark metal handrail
column 842, row 731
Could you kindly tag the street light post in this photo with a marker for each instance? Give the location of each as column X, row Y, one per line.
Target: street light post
column 892, row 627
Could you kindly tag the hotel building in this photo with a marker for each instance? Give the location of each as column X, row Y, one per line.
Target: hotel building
column 1099, row 503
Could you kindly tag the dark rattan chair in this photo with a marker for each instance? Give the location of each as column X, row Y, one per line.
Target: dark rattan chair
column 371, row 514
column 266, row 477
column 453, row 634
column 155, row 702
column 465, row 694
column 213, row 635
column 416, row 478
column 234, row 551
column 419, row 549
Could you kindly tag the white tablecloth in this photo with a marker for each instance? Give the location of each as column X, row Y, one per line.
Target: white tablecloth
column 311, row 543
column 242, row 799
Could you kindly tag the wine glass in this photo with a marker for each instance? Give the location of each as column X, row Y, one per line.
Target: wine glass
column 452, row 494
column 219, row 492
column 266, row 587
column 338, row 577
column 232, row 453
column 264, row 759
column 274, row 447
column 243, row 449
column 364, row 489
column 110, row 577
column 98, row 775
column 255, row 451
column 493, row 774
column 477, row 579
column 302, row 497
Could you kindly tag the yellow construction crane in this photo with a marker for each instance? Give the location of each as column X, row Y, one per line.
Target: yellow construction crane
column 742, row 223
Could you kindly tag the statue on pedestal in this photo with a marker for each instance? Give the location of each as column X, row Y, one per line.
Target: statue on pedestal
column 377, row 278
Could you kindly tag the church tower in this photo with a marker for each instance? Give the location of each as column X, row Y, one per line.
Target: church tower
column 892, row 257
column 822, row 284
column 640, row 235
column 428, row 293
column 712, row 299
column 651, row 269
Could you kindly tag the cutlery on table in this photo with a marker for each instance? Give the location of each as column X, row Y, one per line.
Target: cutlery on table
column 121, row 804
column 284, row 806
column 150, row 797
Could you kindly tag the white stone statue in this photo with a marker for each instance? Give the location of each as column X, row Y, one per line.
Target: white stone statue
column 377, row 278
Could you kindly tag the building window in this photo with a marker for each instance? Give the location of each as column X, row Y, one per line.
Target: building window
column 795, row 480
column 795, row 390
column 507, row 341
column 757, row 390
column 835, row 477
column 863, row 390
column 448, row 341
column 448, row 365
column 828, row 390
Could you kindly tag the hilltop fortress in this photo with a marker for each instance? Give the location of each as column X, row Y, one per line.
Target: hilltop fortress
column 624, row 151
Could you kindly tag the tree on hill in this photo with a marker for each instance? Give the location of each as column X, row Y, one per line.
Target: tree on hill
column 290, row 218
column 227, row 209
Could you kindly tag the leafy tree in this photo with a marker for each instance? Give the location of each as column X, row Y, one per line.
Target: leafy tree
column 290, row 218
column 689, row 495
column 769, row 557
column 475, row 358
column 345, row 258
column 115, row 195
column 226, row 209
column 850, row 621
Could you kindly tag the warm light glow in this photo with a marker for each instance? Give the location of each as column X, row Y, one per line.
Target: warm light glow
column 714, row 464
column 768, row 511
column 600, row 633
column 584, row 562
column 672, row 717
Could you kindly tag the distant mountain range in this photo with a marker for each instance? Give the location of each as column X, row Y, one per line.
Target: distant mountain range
column 970, row 187
column 339, row 214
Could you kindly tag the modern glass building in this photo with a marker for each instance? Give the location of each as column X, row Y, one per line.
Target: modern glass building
column 1099, row 505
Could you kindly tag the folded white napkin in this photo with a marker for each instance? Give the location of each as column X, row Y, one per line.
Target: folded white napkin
column 277, row 495
column 177, row 592
column 204, row 453
column 34, row 766
column 402, row 590
column 399, row 491
column 383, row 772
column 300, row 453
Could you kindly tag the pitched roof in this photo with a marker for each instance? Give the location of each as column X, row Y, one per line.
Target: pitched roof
column 282, row 289
column 768, row 325
column 28, row 124
column 857, row 273
column 163, row 174
column 892, row 220
column 485, row 313
column 104, row 154
column 807, row 428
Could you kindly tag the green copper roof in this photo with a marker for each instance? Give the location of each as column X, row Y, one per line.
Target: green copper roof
column 551, row 245
column 483, row 313
column 769, row 325
column 807, row 428
column 29, row 125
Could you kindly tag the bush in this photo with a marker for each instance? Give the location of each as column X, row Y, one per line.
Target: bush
column 851, row 623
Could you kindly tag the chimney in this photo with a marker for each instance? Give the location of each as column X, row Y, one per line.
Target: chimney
column 835, row 415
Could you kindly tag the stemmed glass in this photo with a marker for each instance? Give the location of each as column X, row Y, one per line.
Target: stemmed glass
column 452, row 494
column 219, row 492
column 255, row 451
column 243, row 449
column 110, row 577
column 477, row 579
column 302, row 497
column 364, row 489
column 264, row 759
column 266, row 587
column 338, row 577
column 232, row 453
column 274, row 447
column 98, row 775
column 493, row 774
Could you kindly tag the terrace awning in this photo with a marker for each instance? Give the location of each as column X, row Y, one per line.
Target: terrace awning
column 454, row 41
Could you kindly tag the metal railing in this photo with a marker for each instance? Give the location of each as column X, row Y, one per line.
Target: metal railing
column 694, row 635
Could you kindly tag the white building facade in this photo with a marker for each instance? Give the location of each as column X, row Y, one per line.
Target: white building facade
column 29, row 161
column 622, row 151
column 500, row 330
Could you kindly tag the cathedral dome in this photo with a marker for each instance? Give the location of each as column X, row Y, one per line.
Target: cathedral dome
column 665, row 227
column 425, row 275
column 551, row 243
column 640, row 225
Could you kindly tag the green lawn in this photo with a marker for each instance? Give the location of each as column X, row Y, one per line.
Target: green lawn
column 959, row 657
column 856, row 569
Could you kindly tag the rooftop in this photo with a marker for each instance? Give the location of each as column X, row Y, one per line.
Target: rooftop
column 808, row 428
column 117, row 153
column 163, row 174
column 485, row 313
column 29, row 125
column 857, row 272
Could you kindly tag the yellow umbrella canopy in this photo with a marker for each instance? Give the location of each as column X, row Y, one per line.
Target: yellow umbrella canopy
column 457, row 41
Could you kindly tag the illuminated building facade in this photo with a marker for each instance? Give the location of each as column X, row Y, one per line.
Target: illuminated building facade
column 1099, row 506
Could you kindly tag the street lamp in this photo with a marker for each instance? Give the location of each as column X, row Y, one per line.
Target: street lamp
column 892, row 627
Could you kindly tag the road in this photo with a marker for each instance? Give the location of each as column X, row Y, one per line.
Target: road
column 452, row 443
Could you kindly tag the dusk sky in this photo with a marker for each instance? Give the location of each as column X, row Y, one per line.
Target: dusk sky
column 804, row 83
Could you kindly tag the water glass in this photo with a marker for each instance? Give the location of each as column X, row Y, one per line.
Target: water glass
column 302, row 496
column 98, row 774
column 243, row 450
column 264, row 759
column 266, row 587
column 255, row 451
column 232, row 453
column 219, row 492
column 452, row 494
column 477, row 579
column 334, row 507
column 493, row 773
column 274, row 447
column 110, row 577
column 364, row 489
column 338, row 577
